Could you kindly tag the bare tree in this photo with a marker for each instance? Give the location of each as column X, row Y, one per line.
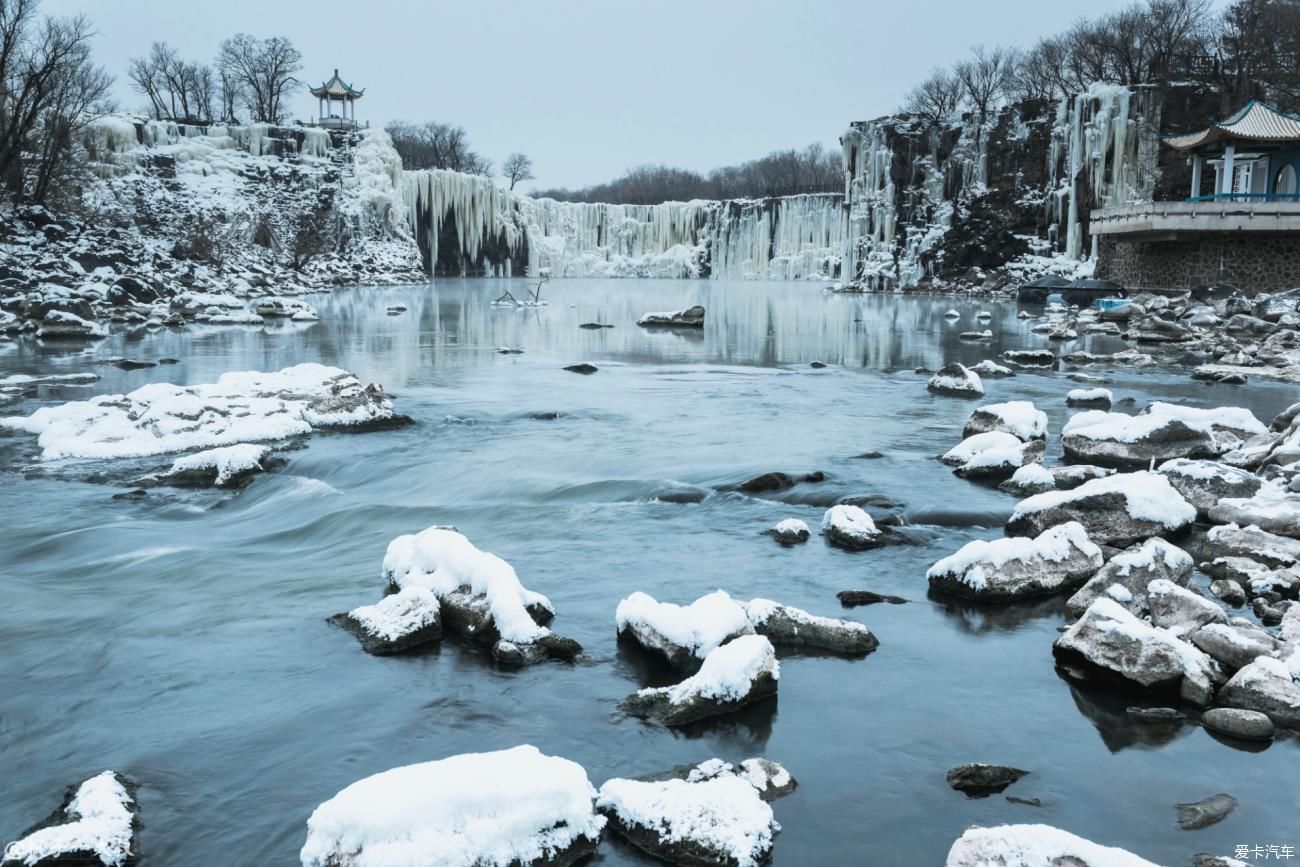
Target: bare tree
column 434, row 145
column 984, row 79
column 516, row 168
column 262, row 71
column 936, row 98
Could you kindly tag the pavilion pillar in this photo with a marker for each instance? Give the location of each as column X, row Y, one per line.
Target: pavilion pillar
column 1229, row 154
column 1197, row 162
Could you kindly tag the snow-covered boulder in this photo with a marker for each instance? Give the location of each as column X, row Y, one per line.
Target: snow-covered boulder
column 244, row 407
column 786, row 626
column 791, row 531
column 404, row 620
column 1114, row 510
column 510, row 807
column 1098, row 398
column 770, row 779
column 1032, row 478
column 690, row 317
column 1239, row 423
column 850, row 528
column 1035, row 846
column 716, row 822
column 1234, row 647
column 974, row 444
column 225, row 467
column 1008, row 569
column 1020, row 418
column 990, row 368
column 1203, row 483
column 62, row 325
column 1269, row 686
column 1031, row 357
column 682, row 634
column 1001, row 463
column 1110, row 640
column 740, row 672
column 1180, row 610
column 1271, row 509
column 1250, row 542
column 1068, row 478
column 1132, row 570
column 1114, row 439
column 956, row 380
column 480, row 595
column 98, row 823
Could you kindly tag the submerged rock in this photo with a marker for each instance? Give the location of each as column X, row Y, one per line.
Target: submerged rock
column 850, row 528
column 978, row 780
column 786, row 626
column 583, row 368
column 956, row 380
column 769, row 482
column 98, row 823
column 1010, row 569
column 716, row 822
column 690, row 317
column 1034, row 846
column 517, row 806
column 740, row 672
column 853, row 598
column 401, row 621
column 1206, row 812
column 1114, row 510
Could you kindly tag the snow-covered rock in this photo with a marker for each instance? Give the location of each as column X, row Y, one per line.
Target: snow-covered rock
column 1020, row 418
column 1180, row 610
column 682, row 634
column 224, row 467
column 62, row 325
column 1269, row 686
column 1133, row 441
column 990, row 368
column 1008, row 569
column 243, row 407
column 511, row 807
column 1001, row 463
column 401, row 621
column 718, row 821
column 1203, row 483
column 851, row 528
column 1035, row 846
column 1032, row 478
column 1240, row 423
column 740, row 672
column 1250, row 542
column 1112, row 641
column 791, row 531
column 1117, row 509
column 480, row 596
column 1271, row 509
column 97, row 824
column 1234, row 647
column 956, row 380
column 1100, row 398
column 786, row 626
column 1070, row 477
column 690, row 317
column 1133, row 569
column 974, row 444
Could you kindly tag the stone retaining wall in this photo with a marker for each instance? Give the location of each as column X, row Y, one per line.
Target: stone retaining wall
column 1252, row 263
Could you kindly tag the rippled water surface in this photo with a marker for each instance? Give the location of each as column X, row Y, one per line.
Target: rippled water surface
column 182, row 639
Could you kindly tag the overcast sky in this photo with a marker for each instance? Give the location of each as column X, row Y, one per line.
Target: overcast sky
column 589, row 89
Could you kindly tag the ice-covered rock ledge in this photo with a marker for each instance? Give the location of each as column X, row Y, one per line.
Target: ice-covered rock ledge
column 514, row 807
column 243, row 407
column 98, row 823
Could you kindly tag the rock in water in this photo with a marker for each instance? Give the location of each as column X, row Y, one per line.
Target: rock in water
column 1030, row 479
column 514, row 806
column 1008, row 569
column 791, row 531
column 1204, row 813
column 98, row 823
column 1179, row 610
column 1099, row 398
column 1133, row 442
column 1203, row 483
column 1114, row 510
column 404, row 620
column 1250, row 725
column 976, row 444
column 979, row 780
column 1113, row 642
column 1271, row 510
column 740, row 672
column 1034, row 846
column 716, row 822
column 850, row 528
column 583, row 368
column 1267, row 686
column 1001, row 464
column 690, row 317
column 1020, row 418
column 769, row 482
column 851, row 598
column 956, row 380
column 225, row 467
column 682, row 635
column 786, row 626
column 1132, row 570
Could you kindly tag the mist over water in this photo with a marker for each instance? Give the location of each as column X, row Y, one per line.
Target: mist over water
column 181, row 639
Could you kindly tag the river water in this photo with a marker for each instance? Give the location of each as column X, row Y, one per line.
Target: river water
column 182, row 640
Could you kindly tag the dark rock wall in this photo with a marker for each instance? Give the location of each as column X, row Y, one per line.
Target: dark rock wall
column 1252, row 263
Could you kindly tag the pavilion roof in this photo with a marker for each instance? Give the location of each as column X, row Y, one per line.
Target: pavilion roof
column 1254, row 122
column 336, row 86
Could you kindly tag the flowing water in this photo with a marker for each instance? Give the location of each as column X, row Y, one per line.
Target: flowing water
column 181, row 639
